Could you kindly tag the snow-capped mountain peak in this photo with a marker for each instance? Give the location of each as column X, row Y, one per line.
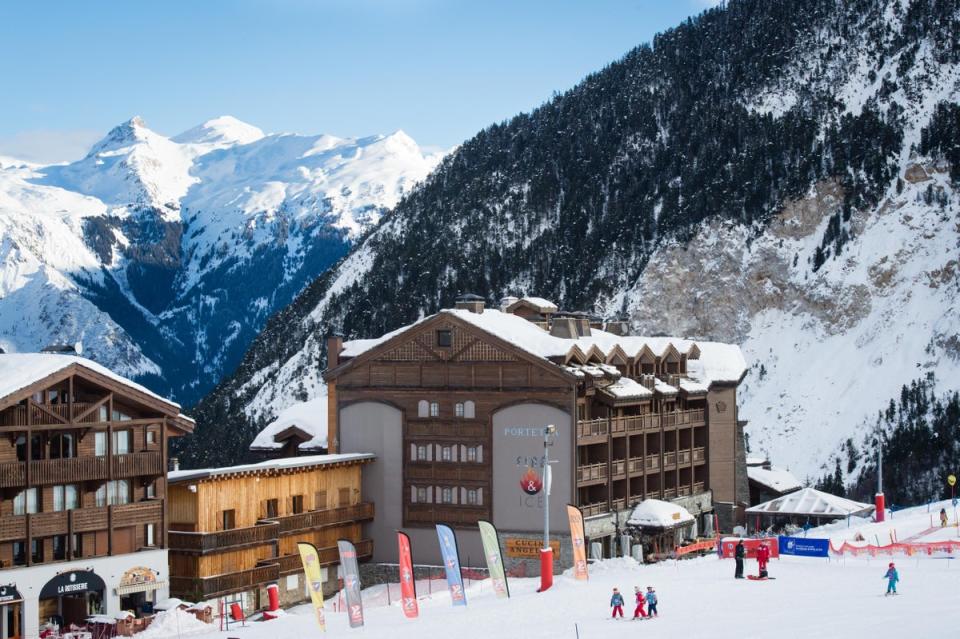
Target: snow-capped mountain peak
column 219, row 133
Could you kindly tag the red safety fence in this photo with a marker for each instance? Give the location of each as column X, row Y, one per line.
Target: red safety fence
column 729, row 544
column 706, row 544
column 908, row 549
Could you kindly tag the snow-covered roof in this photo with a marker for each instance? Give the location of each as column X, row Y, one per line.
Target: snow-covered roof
column 691, row 386
column 287, row 463
column 778, row 479
column 626, row 388
column 810, row 502
column 539, row 303
column 718, row 362
column 655, row 513
column 309, row 416
column 20, row 370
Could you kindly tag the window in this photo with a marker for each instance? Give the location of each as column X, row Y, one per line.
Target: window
column 19, row 553
column 120, row 416
column 469, row 409
column 320, row 500
column 151, row 437
column 422, row 495
column 65, row 497
column 36, row 448
column 36, row 549
column 26, row 502
column 103, row 414
column 271, row 508
column 446, row 496
column 61, row 446
column 434, row 409
column 458, row 409
column 148, row 535
column 121, row 442
column 297, row 504
column 472, row 454
column 446, row 453
column 229, row 519
column 77, row 544
column 472, row 497
column 445, row 338
column 421, row 452
column 151, row 492
column 113, row 493
column 100, row 443
column 343, row 499
column 59, row 547
column 423, row 408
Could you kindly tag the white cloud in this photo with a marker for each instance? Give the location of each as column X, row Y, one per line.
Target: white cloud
column 46, row 146
column 707, row 4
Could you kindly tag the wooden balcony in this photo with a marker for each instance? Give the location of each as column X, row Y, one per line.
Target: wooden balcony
column 206, row 543
column 447, row 471
column 619, row 504
column 699, row 454
column 89, row 519
column 321, row 518
column 450, row 430
column 683, row 457
column 669, row 460
column 196, row 589
column 618, row 468
column 48, row 524
column 640, row 423
column 429, row 514
column 684, row 490
column 683, row 418
column 592, row 473
column 635, row 466
column 669, row 493
column 592, row 510
column 592, row 431
column 698, row 487
column 50, row 414
column 47, row 472
column 653, row 462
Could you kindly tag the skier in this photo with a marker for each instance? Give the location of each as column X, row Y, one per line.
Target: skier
column 892, row 577
column 639, row 612
column 652, row 602
column 943, row 517
column 616, row 602
column 763, row 556
column 738, row 554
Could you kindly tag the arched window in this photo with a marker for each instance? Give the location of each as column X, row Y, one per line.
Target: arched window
column 423, row 408
column 469, row 409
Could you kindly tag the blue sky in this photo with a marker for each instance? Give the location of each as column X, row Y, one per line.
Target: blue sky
column 438, row 69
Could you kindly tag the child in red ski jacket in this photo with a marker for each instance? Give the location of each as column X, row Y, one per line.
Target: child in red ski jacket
column 639, row 612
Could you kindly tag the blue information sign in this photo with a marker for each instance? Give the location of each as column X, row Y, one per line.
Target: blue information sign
column 804, row 547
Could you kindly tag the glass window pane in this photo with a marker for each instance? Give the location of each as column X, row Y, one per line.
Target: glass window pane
column 100, row 444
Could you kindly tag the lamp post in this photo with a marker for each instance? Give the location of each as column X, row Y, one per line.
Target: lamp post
column 546, row 553
column 880, row 501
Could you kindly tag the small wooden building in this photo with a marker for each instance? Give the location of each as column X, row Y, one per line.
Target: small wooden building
column 234, row 530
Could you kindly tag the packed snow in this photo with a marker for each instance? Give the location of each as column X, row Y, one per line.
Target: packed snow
column 309, row 416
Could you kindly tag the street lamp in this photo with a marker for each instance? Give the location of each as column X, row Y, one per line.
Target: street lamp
column 546, row 553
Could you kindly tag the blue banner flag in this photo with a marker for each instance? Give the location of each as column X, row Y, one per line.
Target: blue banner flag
column 803, row 547
column 451, row 563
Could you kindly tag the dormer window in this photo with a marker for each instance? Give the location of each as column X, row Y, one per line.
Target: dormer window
column 445, row 338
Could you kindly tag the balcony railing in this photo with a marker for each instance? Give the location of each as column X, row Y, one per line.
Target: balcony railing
column 321, row 518
column 684, row 490
column 683, row 456
column 669, row 493
column 46, row 472
column 693, row 417
column 699, row 454
column 639, row 423
column 79, row 520
column 457, row 515
column 635, row 465
column 619, row 503
column 653, row 462
column 698, row 487
column 669, row 459
column 204, row 543
column 211, row 587
column 17, row 415
column 591, row 510
column 602, row 427
column 593, row 428
column 618, row 467
column 591, row 472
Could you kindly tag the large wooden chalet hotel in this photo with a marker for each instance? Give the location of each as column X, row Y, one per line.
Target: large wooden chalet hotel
column 454, row 407
column 82, row 474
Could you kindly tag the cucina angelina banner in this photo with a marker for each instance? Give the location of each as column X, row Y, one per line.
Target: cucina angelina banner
column 314, row 576
column 579, row 542
column 451, row 562
column 491, row 550
column 351, row 582
column 408, row 585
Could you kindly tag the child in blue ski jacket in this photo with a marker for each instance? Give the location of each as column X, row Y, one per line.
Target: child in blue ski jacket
column 892, row 578
column 616, row 602
column 651, row 602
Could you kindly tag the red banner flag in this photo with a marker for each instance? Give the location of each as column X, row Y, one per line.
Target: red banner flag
column 408, row 584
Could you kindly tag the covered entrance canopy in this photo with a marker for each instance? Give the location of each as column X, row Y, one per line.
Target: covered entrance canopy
column 810, row 502
column 71, row 597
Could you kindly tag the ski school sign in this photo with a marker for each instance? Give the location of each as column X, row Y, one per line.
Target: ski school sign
column 803, row 547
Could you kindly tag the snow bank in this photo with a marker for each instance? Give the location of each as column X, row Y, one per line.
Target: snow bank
column 175, row 623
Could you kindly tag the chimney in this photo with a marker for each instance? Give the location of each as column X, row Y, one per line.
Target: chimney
column 334, row 347
column 470, row 302
column 174, row 463
column 618, row 326
column 506, row 301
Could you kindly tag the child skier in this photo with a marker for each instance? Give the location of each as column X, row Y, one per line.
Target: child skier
column 639, row 612
column 943, row 517
column 892, row 578
column 652, row 602
column 616, row 602
column 763, row 556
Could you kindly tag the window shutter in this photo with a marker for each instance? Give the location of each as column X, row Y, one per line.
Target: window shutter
column 468, row 409
column 480, row 454
column 423, row 408
column 429, row 494
column 413, row 494
column 479, row 496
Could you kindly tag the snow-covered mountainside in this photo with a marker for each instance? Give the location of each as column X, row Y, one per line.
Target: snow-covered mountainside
column 165, row 256
column 780, row 174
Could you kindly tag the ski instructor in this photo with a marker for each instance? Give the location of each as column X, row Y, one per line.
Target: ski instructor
column 738, row 554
